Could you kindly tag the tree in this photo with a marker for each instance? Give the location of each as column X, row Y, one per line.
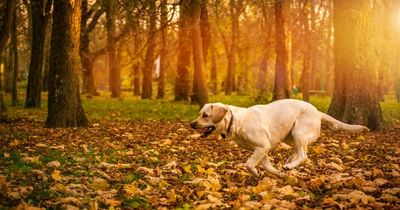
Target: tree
column 163, row 50
column 147, row 85
column 235, row 11
column 308, row 42
column 281, row 85
column 64, row 104
column 14, row 46
column 39, row 24
column 206, row 40
column 7, row 9
column 356, row 88
column 182, row 85
column 114, row 68
column 198, row 54
column 87, row 58
column 266, row 26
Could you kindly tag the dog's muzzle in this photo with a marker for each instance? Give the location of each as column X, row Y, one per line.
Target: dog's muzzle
column 205, row 131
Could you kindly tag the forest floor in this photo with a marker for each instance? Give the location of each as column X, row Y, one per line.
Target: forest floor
column 143, row 154
column 166, row 165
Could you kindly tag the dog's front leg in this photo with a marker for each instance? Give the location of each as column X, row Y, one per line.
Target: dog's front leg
column 253, row 161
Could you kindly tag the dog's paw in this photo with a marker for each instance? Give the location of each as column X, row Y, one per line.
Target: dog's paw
column 253, row 171
column 287, row 167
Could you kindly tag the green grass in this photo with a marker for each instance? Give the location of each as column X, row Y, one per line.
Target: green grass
column 131, row 108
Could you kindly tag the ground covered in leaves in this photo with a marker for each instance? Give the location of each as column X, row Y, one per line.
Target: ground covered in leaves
column 166, row 165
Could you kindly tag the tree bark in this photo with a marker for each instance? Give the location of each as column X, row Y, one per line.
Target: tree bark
column 163, row 52
column 7, row 9
column 147, row 84
column 64, row 104
column 39, row 24
column 308, row 42
column 87, row 59
column 281, row 85
column 268, row 43
column 198, row 62
column 114, row 68
column 356, row 91
column 14, row 45
column 213, row 69
column 182, row 85
column 235, row 10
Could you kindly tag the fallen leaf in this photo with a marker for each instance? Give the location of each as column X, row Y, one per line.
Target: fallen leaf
column 357, row 196
column 56, row 175
column 41, row 145
column 54, row 164
column 99, row 184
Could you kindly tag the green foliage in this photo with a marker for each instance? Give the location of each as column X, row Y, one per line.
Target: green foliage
column 131, row 108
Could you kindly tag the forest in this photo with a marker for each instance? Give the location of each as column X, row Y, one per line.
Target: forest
column 97, row 99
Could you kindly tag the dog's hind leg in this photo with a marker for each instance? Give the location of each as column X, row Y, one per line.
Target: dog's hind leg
column 255, row 159
column 301, row 156
column 291, row 158
column 270, row 168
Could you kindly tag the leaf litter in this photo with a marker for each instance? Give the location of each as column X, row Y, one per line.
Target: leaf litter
column 164, row 165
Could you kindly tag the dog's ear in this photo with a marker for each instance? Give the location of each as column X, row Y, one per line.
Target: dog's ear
column 218, row 112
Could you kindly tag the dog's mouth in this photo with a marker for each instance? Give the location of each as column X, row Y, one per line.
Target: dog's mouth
column 206, row 131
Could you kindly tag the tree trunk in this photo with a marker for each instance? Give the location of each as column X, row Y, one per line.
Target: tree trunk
column 235, row 7
column 87, row 60
column 214, row 72
column 39, row 24
column 281, row 85
column 163, row 52
column 205, row 40
column 14, row 45
column 64, row 104
column 356, row 91
column 114, row 68
column 182, row 85
column 136, row 63
column 328, row 54
column 308, row 42
column 147, row 85
column 198, row 62
column 8, row 70
column 7, row 10
column 268, row 43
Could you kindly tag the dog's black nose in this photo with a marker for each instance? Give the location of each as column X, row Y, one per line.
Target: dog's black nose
column 193, row 125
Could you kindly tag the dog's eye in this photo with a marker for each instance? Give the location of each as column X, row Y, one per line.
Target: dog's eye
column 205, row 115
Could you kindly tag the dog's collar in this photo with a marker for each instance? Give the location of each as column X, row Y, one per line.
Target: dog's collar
column 229, row 125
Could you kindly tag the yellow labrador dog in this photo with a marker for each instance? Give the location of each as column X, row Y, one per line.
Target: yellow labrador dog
column 262, row 127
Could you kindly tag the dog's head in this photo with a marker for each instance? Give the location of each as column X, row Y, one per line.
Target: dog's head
column 211, row 117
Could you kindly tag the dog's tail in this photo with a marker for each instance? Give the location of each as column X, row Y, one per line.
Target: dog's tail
column 337, row 125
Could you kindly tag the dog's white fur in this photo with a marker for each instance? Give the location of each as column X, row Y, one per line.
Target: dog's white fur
column 262, row 127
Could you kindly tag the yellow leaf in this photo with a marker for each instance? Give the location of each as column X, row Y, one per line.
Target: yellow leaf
column 15, row 143
column 93, row 205
column 264, row 185
column 188, row 169
column 286, row 190
column 200, row 169
column 99, row 184
column 132, row 189
column 214, row 181
column 319, row 150
column 171, row 196
column 41, row 145
column 56, row 175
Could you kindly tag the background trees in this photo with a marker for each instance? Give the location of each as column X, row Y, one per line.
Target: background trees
column 270, row 50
